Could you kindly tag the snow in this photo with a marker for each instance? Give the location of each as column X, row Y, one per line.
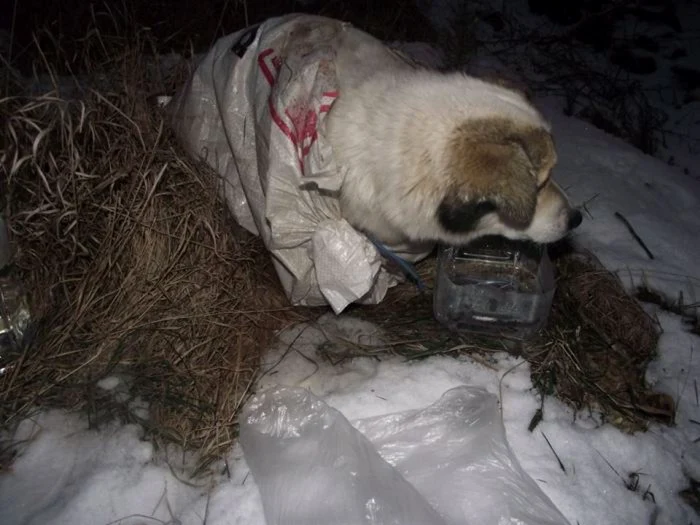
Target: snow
column 70, row 475
column 66, row 473
column 660, row 201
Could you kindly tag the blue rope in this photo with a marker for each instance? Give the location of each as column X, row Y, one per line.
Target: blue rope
column 406, row 267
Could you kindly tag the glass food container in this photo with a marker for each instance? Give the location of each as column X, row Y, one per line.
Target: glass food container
column 494, row 286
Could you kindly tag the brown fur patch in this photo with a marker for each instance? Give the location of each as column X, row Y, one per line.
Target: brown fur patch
column 499, row 161
column 539, row 147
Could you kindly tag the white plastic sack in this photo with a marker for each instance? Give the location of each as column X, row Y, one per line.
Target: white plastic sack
column 254, row 109
column 446, row 464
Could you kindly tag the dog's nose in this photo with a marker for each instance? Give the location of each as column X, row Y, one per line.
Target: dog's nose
column 575, row 218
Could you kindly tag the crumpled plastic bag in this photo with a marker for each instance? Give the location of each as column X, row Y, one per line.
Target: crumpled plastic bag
column 447, row 464
column 254, row 109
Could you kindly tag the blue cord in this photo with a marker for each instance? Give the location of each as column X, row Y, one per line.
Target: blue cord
column 406, row 267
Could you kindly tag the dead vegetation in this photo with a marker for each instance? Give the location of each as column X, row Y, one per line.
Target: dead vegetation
column 597, row 346
column 689, row 312
column 134, row 267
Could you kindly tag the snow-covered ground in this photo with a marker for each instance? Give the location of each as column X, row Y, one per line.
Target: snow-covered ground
column 67, row 474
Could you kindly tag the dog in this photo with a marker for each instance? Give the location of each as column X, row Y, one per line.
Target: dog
column 431, row 156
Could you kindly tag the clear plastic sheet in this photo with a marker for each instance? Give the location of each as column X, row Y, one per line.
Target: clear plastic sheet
column 446, row 464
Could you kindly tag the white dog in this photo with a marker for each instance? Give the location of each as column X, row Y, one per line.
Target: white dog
column 432, row 156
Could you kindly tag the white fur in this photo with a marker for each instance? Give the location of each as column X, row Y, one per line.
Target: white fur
column 387, row 116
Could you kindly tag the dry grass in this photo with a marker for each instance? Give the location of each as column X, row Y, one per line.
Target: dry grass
column 181, row 26
column 134, row 266
column 597, row 346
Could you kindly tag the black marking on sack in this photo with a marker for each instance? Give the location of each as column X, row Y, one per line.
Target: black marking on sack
column 247, row 38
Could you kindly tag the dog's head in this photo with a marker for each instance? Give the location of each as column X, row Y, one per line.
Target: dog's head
column 497, row 181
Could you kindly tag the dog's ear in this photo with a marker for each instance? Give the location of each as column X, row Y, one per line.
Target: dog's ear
column 538, row 145
column 496, row 162
column 501, row 175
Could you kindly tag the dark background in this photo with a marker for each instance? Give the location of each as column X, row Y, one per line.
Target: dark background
column 185, row 25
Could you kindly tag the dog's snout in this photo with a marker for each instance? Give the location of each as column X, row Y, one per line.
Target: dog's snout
column 575, row 219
